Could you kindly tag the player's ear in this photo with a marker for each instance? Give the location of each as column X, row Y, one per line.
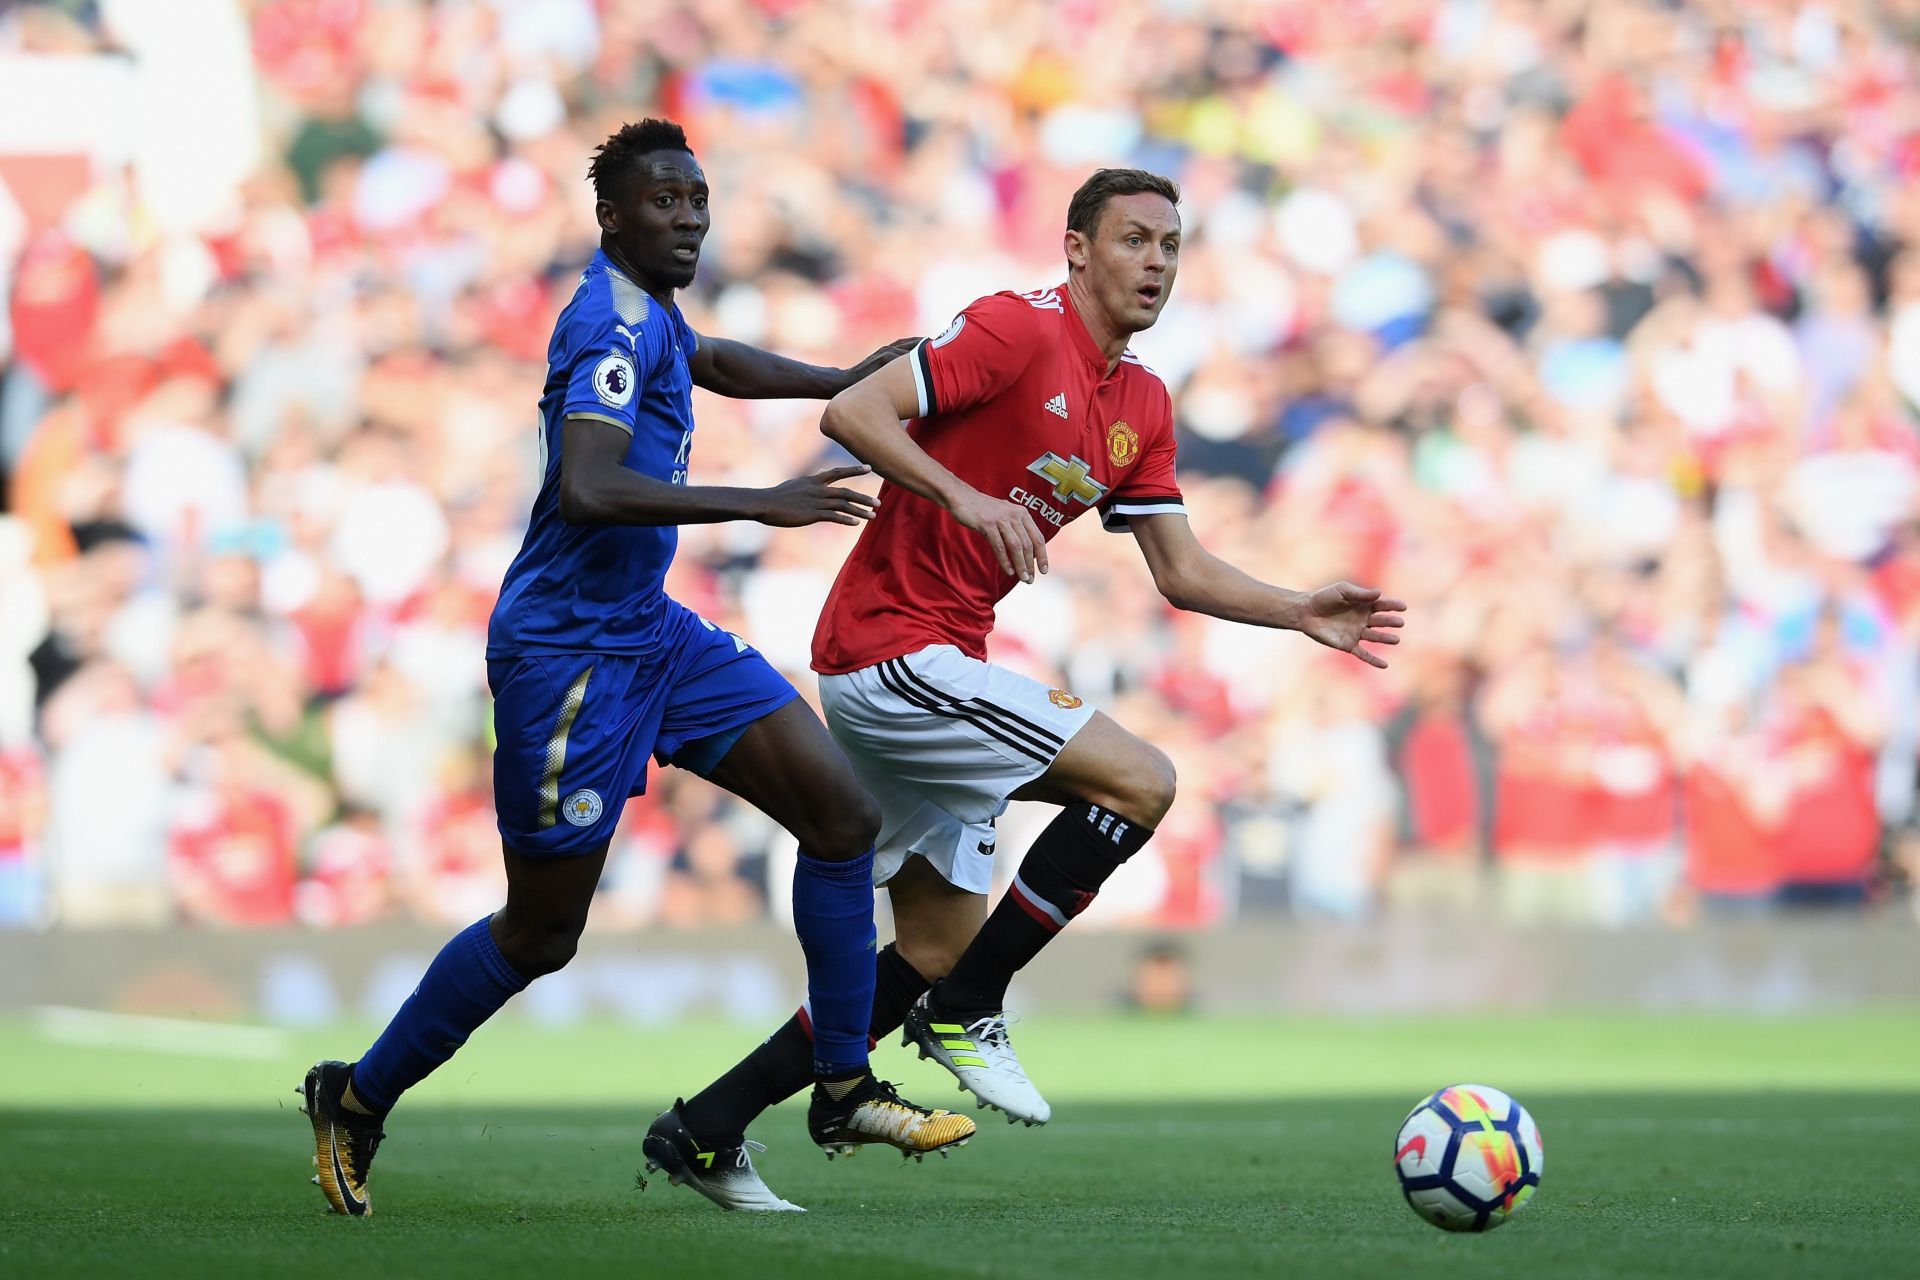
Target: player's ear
column 1078, row 247
column 604, row 214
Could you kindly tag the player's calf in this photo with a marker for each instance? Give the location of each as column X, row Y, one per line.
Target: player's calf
column 782, row 1065
column 1058, row 879
column 475, row 973
column 962, row 1022
column 786, row 765
column 934, row 920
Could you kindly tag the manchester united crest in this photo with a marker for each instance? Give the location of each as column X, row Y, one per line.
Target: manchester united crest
column 1123, row 444
column 1062, row 699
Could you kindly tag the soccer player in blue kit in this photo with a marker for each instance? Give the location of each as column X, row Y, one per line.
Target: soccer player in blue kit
column 594, row 669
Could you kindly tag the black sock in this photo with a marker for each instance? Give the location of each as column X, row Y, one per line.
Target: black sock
column 897, row 985
column 1057, row 880
column 782, row 1065
column 719, row 1114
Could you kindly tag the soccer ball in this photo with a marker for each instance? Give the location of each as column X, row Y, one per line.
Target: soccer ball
column 1468, row 1158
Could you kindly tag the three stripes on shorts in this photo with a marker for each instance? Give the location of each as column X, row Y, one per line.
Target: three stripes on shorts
column 1005, row 726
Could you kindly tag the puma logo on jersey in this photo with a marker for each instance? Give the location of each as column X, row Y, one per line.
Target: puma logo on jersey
column 1058, row 404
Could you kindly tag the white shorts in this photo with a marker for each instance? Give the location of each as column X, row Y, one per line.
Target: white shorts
column 942, row 740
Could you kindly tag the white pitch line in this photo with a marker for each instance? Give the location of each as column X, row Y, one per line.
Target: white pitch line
column 100, row 1029
column 1742, row 1124
column 1267, row 1128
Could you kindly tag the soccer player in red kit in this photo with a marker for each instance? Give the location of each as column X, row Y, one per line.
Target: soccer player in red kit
column 1027, row 412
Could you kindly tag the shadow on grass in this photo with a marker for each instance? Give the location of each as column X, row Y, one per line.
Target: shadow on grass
column 1696, row 1185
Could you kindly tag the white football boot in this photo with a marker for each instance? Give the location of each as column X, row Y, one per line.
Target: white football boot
column 724, row 1175
column 975, row 1048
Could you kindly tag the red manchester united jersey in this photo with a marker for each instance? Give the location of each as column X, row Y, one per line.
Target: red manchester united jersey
column 1016, row 400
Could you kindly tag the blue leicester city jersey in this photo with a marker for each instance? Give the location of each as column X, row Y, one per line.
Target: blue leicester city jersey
column 617, row 356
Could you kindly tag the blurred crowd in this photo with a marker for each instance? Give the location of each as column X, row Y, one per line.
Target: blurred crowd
column 1590, row 327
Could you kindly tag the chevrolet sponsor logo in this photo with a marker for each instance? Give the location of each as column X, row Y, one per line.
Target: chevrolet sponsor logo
column 1071, row 478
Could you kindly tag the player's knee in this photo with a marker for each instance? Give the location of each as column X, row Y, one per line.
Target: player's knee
column 540, row 949
column 932, row 958
column 846, row 827
column 864, row 823
column 1150, row 787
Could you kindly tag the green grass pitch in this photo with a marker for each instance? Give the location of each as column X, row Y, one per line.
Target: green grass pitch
column 1683, row 1147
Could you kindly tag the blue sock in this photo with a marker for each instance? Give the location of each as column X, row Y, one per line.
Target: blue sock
column 464, row 986
column 833, row 914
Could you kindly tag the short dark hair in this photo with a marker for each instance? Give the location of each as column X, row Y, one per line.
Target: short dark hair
column 1083, row 211
column 615, row 160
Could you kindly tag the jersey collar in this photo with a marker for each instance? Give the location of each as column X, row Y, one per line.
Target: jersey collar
column 1083, row 342
column 602, row 259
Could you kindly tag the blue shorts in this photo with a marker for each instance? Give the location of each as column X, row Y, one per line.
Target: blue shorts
column 576, row 730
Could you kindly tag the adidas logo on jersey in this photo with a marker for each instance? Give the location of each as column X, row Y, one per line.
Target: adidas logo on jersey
column 1058, row 404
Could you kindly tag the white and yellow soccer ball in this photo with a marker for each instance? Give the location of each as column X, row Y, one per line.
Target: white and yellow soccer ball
column 1468, row 1158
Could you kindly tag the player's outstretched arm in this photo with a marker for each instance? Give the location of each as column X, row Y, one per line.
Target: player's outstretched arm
column 596, row 487
column 865, row 420
column 741, row 372
column 1341, row 616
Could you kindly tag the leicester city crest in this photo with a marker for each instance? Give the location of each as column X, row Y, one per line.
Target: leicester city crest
column 583, row 808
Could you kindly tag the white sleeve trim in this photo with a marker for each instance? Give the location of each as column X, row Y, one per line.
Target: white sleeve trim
column 917, row 360
column 1115, row 516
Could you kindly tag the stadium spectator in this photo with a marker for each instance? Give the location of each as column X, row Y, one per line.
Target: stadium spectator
column 1597, row 323
column 23, row 806
column 348, row 878
column 1735, row 802
column 1440, row 761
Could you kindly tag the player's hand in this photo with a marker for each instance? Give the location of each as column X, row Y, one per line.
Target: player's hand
column 814, row 499
column 1346, row 617
column 1010, row 527
column 877, row 361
